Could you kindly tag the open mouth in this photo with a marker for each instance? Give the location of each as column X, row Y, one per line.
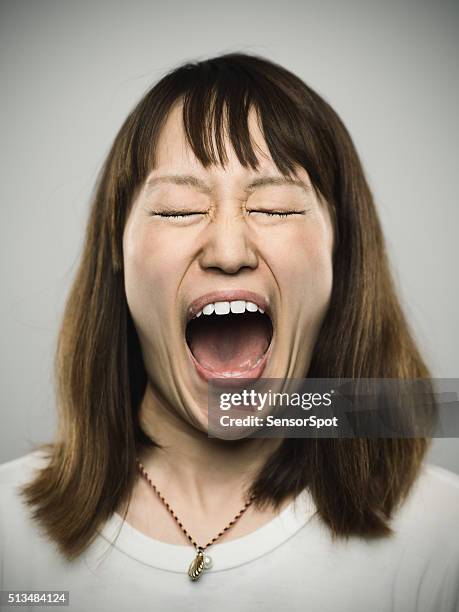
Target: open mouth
column 227, row 344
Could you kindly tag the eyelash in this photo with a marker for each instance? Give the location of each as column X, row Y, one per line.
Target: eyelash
column 174, row 215
column 265, row 212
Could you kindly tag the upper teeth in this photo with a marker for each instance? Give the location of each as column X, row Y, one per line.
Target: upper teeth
column 222, row 308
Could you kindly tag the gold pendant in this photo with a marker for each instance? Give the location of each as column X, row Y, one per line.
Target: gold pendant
column 199, row 564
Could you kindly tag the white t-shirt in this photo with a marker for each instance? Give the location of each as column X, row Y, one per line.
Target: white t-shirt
column 290, row 563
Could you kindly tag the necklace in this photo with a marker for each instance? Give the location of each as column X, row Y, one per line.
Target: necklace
column 202, row 561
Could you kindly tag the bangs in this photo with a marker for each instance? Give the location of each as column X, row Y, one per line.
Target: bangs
column 217, row 106
column 217, row 97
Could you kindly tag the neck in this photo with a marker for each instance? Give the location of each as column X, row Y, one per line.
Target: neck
column 190, row 465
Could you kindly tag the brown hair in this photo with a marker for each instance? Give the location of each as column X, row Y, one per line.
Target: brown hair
column 100, row 377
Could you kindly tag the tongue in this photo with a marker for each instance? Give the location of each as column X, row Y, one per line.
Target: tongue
column 229, row 343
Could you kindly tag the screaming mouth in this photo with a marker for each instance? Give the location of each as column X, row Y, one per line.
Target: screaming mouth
column 229, row 339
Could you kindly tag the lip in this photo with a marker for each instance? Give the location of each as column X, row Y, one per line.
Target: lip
column 253, row 373
column 228, row 296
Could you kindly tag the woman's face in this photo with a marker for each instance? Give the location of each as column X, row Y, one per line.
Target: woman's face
column 233, row 251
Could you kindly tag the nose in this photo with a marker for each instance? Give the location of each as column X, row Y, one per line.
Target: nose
column 228, row 246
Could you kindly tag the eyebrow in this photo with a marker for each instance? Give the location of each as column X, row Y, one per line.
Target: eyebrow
column 193, row 181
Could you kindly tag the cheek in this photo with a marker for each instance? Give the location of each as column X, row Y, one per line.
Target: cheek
column 154, row 267
column 304, row 271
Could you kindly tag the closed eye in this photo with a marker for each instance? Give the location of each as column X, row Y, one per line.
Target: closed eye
column 269, row 213
column 175, row 215
column 275, row 213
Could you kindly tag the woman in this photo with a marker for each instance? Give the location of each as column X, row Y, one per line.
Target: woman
column 232, row 195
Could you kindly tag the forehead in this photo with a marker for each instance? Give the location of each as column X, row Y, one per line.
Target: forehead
column 173, row 152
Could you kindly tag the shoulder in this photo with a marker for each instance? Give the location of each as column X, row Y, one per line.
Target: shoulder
column 15, row 515
column 17, row 472
column 14, row 474
column 429, row 517
column 440, row 474
column 23, row 543
column 444, row 479
column 433, row 497
column 436, row 491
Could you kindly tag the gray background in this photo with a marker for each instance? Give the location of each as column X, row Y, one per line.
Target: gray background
column 71, row 71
